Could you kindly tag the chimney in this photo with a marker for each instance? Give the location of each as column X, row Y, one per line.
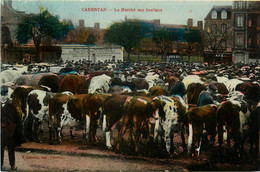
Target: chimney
column 96, row 26
column 81, row 23
column 189, row 23
column 200, row 25
column 157, row 22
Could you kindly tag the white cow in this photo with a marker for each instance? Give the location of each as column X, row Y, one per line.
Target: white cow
column 191, row 79
column 99, row 84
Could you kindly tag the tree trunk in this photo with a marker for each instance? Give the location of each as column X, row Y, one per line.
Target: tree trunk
column 37, row 53
column 128, row 56
column 189, row 60
column 162, row 58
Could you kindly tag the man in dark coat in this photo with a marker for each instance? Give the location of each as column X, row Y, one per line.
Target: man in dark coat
column 207, row 97
column 9, row 132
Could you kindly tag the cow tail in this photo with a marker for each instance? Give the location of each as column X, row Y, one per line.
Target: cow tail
column 190, row 137
column 27, row 111
column 104, row 123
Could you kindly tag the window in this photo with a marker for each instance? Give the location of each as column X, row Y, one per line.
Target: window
column 239, row 40
column 240, row 21
column 223, row 28
column 258, row 40
column 224, row 14
column 214, row 28
column 249, row 23
column 240, row 5
column 249, row 42
column 214, row 14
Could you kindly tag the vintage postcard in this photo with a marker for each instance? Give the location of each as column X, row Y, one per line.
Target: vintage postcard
column 126, row 85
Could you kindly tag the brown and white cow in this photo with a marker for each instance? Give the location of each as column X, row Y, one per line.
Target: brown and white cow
column 113, row 111
column 62, row 111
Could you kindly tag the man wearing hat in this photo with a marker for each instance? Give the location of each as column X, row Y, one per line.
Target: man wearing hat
column 207, row 97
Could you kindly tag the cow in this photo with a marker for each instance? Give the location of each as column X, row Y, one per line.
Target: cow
column 153, row 80
column 30, row 80
column 6, row 93
column 228, row 119
column 99, row 84
column 137, row 112
column 250, row 90
column 232, row 83
column 37, row 112
column 9, row 75
column 187, row 80
column 253, row 130
column 157, row 91
column 113, row 111
column 74, row 83
column 60, row 114
column 119, row 89
column 193, row 92
column 139, row 84
column 169, row 121
column 201, row 120
column 51, row 81
column 19, row 97
column 93, row 107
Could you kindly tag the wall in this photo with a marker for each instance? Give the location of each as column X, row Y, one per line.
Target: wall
column 94, row 54
column 23, row 54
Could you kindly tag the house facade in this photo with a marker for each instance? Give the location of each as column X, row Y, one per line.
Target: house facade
column 218, row 34
column 247, row 31
column 9, row 20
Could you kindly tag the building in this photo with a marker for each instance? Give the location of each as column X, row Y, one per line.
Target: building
column 9, row 20
column 91, row 53
column 218, row 34
column 179, row 47
column 247, row 31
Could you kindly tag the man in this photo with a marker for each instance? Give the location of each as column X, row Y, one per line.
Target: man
column 9, row 121
column 208, row 97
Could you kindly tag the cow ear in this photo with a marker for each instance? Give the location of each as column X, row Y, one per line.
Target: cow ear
column 163, row 103
column 75, row 99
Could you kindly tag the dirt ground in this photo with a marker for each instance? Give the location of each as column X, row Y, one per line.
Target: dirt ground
column 73, row 155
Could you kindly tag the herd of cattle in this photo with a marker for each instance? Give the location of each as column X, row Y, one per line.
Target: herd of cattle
column 153, row 101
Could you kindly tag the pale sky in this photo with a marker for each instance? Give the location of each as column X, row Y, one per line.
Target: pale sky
column 173, row 12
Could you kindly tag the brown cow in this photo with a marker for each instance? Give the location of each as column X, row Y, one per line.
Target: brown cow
column 157, row 91
column 228, row 123
column 137, row 111
column 201, row 120
column 74, row 83
column 93, row 106
column 113, row 111
column 193, row 92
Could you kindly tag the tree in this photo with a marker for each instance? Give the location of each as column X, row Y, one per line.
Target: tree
column 80, row 35
column 191, row 36
column 164, row 39
column 127, row 34
column 91, row 39
column 217, row 41
column 40, row 26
